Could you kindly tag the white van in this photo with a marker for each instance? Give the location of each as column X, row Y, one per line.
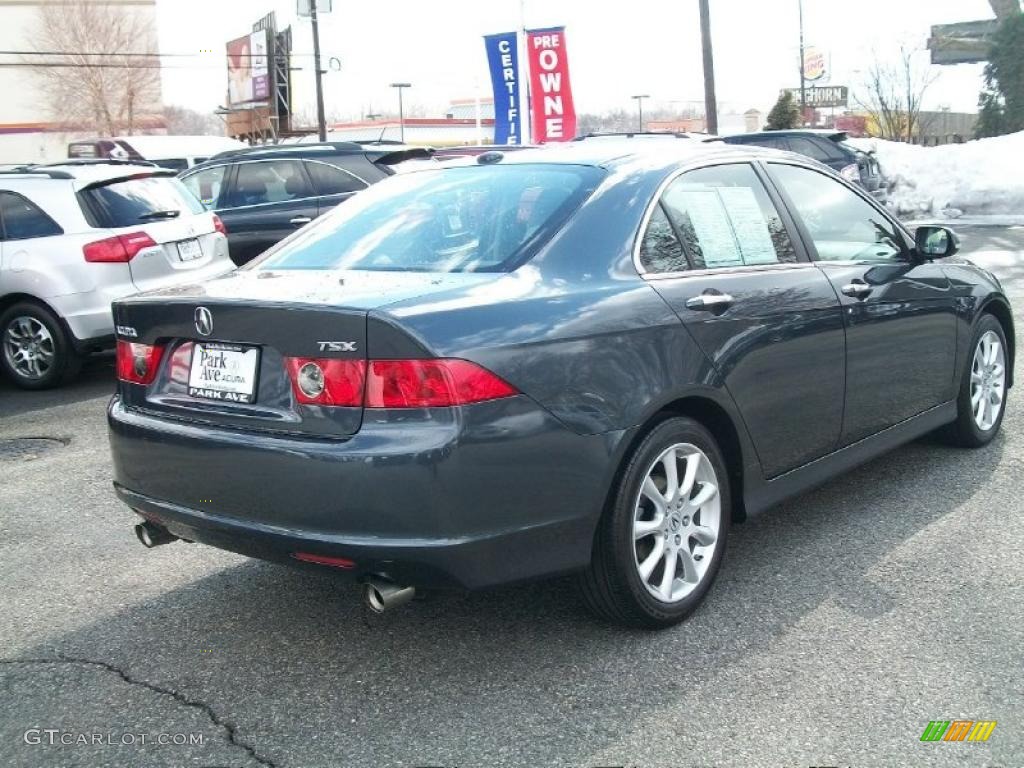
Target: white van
column 174, row 152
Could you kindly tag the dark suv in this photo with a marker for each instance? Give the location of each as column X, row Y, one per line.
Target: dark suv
column 263, row 194
column 828, row 147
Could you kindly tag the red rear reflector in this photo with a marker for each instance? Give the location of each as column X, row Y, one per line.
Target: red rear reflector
column 137, row 363
column 336, row 562
column 117, row 249
column 219, row 225
column 321, row 381
column 431, row 383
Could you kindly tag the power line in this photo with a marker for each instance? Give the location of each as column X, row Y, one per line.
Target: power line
column 139, row 54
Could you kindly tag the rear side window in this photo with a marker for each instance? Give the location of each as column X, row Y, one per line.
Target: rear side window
column 206, row 185
column 271, row 181
column 129, row 202
column 466, row 219
column 329, row 180
column 722, row 217
column 22, row 219
column 810, row 148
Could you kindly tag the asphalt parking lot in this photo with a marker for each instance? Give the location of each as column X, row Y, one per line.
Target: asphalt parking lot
column 842, row 623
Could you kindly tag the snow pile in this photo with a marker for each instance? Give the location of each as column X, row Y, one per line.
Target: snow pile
column 985, row 176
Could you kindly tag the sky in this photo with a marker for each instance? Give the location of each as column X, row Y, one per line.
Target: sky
column 616, row 49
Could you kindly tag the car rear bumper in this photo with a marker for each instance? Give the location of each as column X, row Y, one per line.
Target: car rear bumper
column 484, row 495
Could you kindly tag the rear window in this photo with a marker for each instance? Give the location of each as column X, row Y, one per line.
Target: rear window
column 467, row 219
column 130, row 202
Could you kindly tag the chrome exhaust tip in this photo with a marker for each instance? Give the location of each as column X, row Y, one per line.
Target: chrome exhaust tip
column 153, row 535
column 380, row 595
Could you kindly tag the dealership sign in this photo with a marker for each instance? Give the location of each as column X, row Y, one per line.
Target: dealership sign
column 550, row 104
column 503, row 59
column 823, row 96
column 554, row 116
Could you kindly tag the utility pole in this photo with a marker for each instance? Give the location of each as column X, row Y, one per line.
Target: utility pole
column 710, row 101
column 640, row 109
column 401, row 111
column 803, row 80
column 321, row 120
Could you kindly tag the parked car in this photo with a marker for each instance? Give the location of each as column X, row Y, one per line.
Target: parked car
column 590, row 358
column 76, row 236
column 174, row 152
column 263, row 194
column 826, row 146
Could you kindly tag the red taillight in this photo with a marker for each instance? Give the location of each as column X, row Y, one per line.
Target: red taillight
column 219, row 225
column 137, row 363
column 317, row 381
column 120, row 248
column 431, row 383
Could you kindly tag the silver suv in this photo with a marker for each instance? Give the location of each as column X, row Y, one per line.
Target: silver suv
column 76, row 236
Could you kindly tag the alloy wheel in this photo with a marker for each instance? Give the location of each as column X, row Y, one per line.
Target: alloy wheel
column 676, row 522
column 988, row 380
column 29, row 347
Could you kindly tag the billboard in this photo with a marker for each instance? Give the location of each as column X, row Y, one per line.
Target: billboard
column 554, row 115
column 968, row 42
column 823, row 96
column 248, row 73
column 503, row 60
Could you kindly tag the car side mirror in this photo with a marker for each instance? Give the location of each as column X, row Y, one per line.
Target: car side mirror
column 934, row 242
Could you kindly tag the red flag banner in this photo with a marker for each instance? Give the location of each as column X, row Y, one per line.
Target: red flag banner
column 554, row 116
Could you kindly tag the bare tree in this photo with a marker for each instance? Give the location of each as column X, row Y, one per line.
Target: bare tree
column 88, row 76
column 188, row 122
column 893, row 95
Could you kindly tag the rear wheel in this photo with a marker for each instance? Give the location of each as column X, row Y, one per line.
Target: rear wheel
column 35, row 351
column 982, row 397
column 660, row 545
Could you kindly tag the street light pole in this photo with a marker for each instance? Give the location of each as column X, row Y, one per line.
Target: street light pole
column 710, row 100
column 321, row 120
column 401, row 111
column 640, row 108
column 803, row 80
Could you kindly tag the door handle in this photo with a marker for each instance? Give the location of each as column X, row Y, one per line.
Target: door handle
column 857, row 290
column 709, row 301
column 300, row 221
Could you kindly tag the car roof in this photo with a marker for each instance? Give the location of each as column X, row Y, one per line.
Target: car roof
column 825, row 133
column 87, row 172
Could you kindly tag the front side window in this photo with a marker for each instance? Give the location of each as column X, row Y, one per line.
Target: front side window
column 22, row 219
column 466, row 219
column 842, row 225
column 723, row 217
column 206, row 185
column 272, row 181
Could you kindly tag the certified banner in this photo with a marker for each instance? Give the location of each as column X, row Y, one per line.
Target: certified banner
column 554, row 116
column 503, row 60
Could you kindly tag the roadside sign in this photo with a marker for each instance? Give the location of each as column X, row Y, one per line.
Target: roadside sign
column 305, row 7
column 967, row 42
column 823, row 95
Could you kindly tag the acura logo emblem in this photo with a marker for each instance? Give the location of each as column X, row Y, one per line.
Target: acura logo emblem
column 204, row 321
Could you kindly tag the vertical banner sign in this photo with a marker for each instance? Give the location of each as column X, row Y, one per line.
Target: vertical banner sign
column 503, row 59
column 554, row 116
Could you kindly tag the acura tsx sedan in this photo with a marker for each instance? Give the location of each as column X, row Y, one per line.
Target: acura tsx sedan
column 589, row 359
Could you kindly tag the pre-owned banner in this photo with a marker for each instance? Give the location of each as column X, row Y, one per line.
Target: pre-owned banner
column 554, row 116
column 503, row 59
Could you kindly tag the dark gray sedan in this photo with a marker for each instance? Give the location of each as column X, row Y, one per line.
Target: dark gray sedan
column 589, row 359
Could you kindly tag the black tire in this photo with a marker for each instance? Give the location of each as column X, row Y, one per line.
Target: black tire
column 612, row 587
column 965, row 432
column 66, row 363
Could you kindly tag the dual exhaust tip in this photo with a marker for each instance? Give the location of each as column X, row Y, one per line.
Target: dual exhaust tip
column 379, row 594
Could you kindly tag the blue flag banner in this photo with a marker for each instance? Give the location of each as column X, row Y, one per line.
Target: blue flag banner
column 503, row 59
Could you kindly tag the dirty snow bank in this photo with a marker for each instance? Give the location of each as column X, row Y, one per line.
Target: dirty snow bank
column 985, row 176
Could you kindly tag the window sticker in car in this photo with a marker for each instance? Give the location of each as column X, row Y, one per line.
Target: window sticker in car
column 748, row 225
column 711, row 224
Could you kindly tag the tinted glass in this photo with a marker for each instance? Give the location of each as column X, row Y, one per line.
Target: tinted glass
column 329, row 180
column 660, row 250
column 810, row 148
column 206, row 185
column 272, row 181
column 726, row 219
column 133, row 201
column 472, row 219
column 843, row 226
column 22, row 219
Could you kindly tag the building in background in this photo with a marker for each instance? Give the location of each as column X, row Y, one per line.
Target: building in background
column 30, row 132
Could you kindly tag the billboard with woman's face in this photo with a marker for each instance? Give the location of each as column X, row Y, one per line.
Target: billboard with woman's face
column 248, row 76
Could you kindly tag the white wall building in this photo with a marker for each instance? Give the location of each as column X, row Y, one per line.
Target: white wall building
column 28, row 133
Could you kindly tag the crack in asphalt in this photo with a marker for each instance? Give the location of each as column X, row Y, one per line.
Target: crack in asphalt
column 229, row 728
